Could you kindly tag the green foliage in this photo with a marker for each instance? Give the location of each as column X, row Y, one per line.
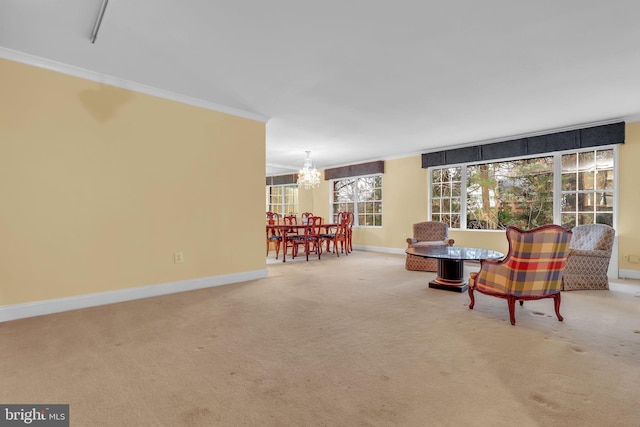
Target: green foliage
column 518, row 193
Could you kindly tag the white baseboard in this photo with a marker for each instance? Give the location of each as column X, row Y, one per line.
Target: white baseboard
column 628, row 274
column 40, row 308
column 379, row 249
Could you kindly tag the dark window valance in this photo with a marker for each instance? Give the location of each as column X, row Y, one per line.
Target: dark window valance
column 560, row 141
column 354, row 170
column 282, row 179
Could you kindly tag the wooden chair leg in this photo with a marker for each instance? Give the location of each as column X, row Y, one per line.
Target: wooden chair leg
column 473, row 301
column 511, row 301
column 556, row 306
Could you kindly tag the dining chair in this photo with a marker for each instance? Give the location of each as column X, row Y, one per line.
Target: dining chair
column 273, row 234
column 305, row 216
column 337, row 233
column 290, row 236
column 350, row 219
column 312, row 243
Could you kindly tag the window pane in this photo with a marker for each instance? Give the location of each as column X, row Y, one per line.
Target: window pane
column 569, row 181
column 605, row 218
column 586, row 161
column 455, row 189
column 585, row 202
column 436, row 190
column 604, row 202
column 568, row 202
column 456, row 174
column 604, row 180
column 569, row 163
column 585, row 181
column 435, row 206
column 436, row 176
column 568, row 220
column 604, row 159
column 446, row 189
column 584, row 218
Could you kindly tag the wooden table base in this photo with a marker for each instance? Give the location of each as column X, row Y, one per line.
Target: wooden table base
column 450, row 276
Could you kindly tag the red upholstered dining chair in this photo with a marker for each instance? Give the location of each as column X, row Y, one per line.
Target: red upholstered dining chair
column 273, row 234
column 305, row 216
column 291, row 236
column 531, row 270
column 350, row 219
column 312, row 243
column 338, row 234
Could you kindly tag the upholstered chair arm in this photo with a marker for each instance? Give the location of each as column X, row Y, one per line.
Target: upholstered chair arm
column 413, row 241
column 493, row 277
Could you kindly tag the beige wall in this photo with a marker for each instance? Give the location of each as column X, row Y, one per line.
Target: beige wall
column 100, row 186
column 405, row 202
column 628, row 228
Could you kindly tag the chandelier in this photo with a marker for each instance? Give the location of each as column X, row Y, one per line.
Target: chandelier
column 308, row 176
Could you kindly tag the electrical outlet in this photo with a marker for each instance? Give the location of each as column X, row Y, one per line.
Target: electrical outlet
column 634, row 259
column 178, row 257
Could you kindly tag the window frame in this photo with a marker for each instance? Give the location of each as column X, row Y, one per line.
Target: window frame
column 355, row 202
column 282, row 204
column 557, row 182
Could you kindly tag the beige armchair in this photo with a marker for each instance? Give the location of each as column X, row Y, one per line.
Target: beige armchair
column 428, row 233
column 589, row 256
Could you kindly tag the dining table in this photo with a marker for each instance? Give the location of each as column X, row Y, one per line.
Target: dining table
column 285, row 229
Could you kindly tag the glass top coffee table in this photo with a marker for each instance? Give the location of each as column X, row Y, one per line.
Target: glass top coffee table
column 451, row 263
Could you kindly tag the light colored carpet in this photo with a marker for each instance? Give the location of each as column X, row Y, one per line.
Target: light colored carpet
column 349, row 341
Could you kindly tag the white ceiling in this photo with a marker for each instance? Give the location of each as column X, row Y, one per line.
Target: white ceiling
column 355, row 80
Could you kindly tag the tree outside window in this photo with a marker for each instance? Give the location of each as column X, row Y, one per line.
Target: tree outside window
column 362, row 196
column 513, row 193
column 521, row 192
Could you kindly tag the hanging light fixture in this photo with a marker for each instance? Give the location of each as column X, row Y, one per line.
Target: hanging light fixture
column 308, row 176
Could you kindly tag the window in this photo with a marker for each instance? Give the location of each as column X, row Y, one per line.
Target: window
column 520, row 192
column 282, row 199
column 516, row 192
column 446, row 193
column 362, row 196
column 587, row 188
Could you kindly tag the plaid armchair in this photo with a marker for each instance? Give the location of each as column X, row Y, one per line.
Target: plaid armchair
column 427, row 233
column 532, row 269
column 589, row 256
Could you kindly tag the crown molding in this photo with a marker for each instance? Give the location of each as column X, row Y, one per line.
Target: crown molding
column 82, row 73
